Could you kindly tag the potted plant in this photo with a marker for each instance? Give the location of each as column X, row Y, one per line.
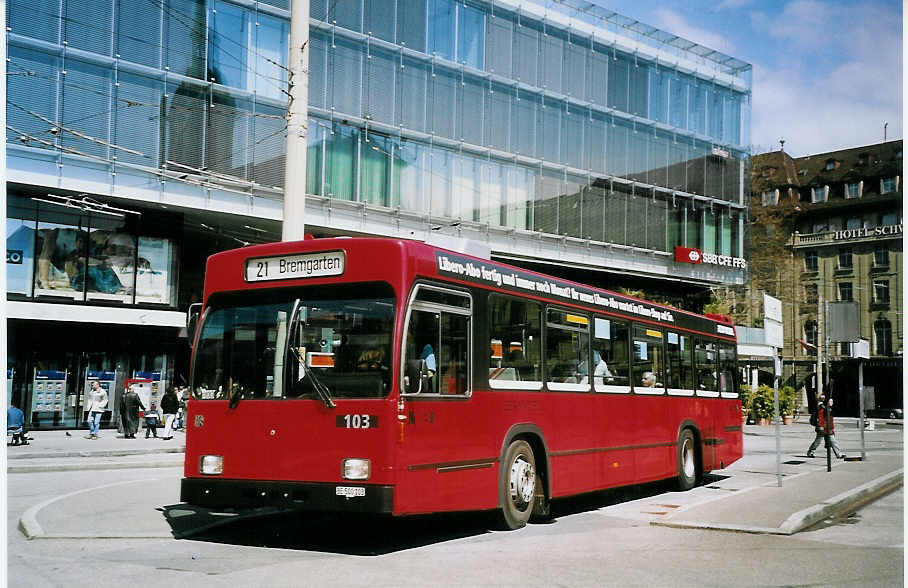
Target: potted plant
column 746, row 395
column 762, row 405
column 787, row 404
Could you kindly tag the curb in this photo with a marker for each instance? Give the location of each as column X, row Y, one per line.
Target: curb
column 95, row 453
column 110, row 465
column 808, row 517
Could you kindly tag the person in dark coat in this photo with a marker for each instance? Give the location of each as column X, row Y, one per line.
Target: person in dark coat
column 170, row 405
column 824, row 414
column 132, row 404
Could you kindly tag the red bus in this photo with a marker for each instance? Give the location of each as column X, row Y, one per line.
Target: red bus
column 391, row 376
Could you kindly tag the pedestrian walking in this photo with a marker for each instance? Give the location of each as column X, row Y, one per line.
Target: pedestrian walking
column 820, row 420
column 130, row 411
column 97, row 404
column 170, row 405
column 182, row 393
column 151, row 421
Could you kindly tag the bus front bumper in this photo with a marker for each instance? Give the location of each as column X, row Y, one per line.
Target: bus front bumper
column 221, row 493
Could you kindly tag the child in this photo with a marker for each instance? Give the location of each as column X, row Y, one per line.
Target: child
column 151, row 422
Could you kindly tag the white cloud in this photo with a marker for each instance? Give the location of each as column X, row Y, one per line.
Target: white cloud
column 837, row 85
column 669, row 20
column 733, row 4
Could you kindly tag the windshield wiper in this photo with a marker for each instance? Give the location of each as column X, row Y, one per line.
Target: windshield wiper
column 323, row 393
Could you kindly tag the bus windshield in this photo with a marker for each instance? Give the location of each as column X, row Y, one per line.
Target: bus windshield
column 287, row 343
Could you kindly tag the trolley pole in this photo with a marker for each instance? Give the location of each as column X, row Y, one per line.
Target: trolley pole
column 294, row 226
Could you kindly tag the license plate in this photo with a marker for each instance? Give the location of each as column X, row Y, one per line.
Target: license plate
column 349, row 491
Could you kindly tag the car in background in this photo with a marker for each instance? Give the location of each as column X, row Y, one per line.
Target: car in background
column 884, row 413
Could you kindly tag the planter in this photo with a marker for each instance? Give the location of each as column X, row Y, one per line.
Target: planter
column 787, row 419
column 763, row 422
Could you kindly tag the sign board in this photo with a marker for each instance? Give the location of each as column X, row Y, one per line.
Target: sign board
column 283, row 267
column 842, row 324
column 696, row 256
column 774, row 333
column 772, row 308
column 861, row 349
column 49, row 391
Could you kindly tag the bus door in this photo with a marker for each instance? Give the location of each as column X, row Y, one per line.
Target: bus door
column 442, row 453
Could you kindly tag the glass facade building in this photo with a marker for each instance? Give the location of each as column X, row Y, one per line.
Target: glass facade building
column 560, row 132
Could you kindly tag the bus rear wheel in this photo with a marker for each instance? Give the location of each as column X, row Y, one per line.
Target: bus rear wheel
column 687, row 460
column 517, row 487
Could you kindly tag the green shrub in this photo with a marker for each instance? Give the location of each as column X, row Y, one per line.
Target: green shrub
column 746, row 395
column 761, row 404
column 788, row 401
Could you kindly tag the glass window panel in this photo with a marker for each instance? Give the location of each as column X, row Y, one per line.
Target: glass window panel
column 658, row 158
column 636, row 214
column 675, row 227
column 20, row 246
column 470, row 33
column 441, row 28
column 498, row 41
column 493, row 193
column 375, row 169
column 340, row 162
column 139, row 32
column 615, row 217
column 228, row 133
column 697, row 108
column 599, row 76
column 705, row 357
column 444, row 88
column 411, row 175
column 111, row 271
column 318, row 9
column 315, row 156
column 677, row 172
column 618, row 150
column 715, row 173
column 525, row 108
column 656, row 223
column 521, row 182
column 441, row 180
column 344, row 76
column 570, row 208
column 611, row 353
column 498, row 105
column 515, row 328
column 31, row 86
column 881, row 255
column 709, row 232
column 567, row 350
column 731, row 189
column 470, row 107
column 692, row 231
column 639, row 160
column 185, row 42
column 572, row 144
column 228, row 46
column 619, row 82
column 679, row 368
column 677, row 101
column 380, row 86
column 318, row 67
column 649, row 360
column 575, row 70
column 272, row 36
column 595, row 144
column 88, row 25
column 86, row 108
column 549, row 189
column 136, row 118
column 732, row 124
column 696, row 167
column 347, row 13
column 593, row 209
column 269, row 143
column 60, row 249
column 725, row 242
column 156, row 272
column 526, row 50
column 658, row 93
column 552, row 61
column 639, row 89
column 379, row 19
column 716, row 116
column 550, row 115
column 184, row 115
column 411, row 24
column 412, row 95
column 465, row 187
column 39, row 19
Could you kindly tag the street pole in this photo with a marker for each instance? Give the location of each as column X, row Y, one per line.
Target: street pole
column 294, row 226
column 861, row 406
column 776, row 376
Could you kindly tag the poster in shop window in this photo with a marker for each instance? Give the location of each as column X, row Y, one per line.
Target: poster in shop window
column 153, row 271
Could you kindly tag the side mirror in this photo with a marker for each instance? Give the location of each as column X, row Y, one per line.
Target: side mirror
column 192, row 321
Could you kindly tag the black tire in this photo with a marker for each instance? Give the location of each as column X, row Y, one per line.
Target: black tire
column 688, row 462
column 517, row 485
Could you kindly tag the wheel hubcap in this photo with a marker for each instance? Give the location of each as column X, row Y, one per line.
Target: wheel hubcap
column 523, row 481
column 687, row 459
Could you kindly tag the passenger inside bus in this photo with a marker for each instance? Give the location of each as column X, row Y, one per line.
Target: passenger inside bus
column 648, row 380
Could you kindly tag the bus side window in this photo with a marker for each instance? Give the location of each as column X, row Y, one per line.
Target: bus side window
column 728, row 384
column 515, row 333
column 436, row 359
column 706, row 358
column 611, row 357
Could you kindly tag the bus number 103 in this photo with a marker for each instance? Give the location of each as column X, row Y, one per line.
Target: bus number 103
column 357, row 421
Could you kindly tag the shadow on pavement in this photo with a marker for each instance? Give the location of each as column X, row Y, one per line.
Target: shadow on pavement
column 356, row 534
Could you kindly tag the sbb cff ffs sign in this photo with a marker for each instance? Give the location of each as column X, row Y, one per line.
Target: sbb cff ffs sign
column 694, row 255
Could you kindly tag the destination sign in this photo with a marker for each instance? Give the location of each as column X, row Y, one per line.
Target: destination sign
column 284, row 267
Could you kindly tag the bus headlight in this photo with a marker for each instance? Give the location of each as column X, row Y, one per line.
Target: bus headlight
column 356, row 469
column 211, row 465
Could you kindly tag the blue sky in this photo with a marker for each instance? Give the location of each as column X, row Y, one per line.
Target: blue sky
column 827, row 73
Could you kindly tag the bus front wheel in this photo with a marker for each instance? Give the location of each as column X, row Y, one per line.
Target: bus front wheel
column 687, row 460
column 517, row 487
